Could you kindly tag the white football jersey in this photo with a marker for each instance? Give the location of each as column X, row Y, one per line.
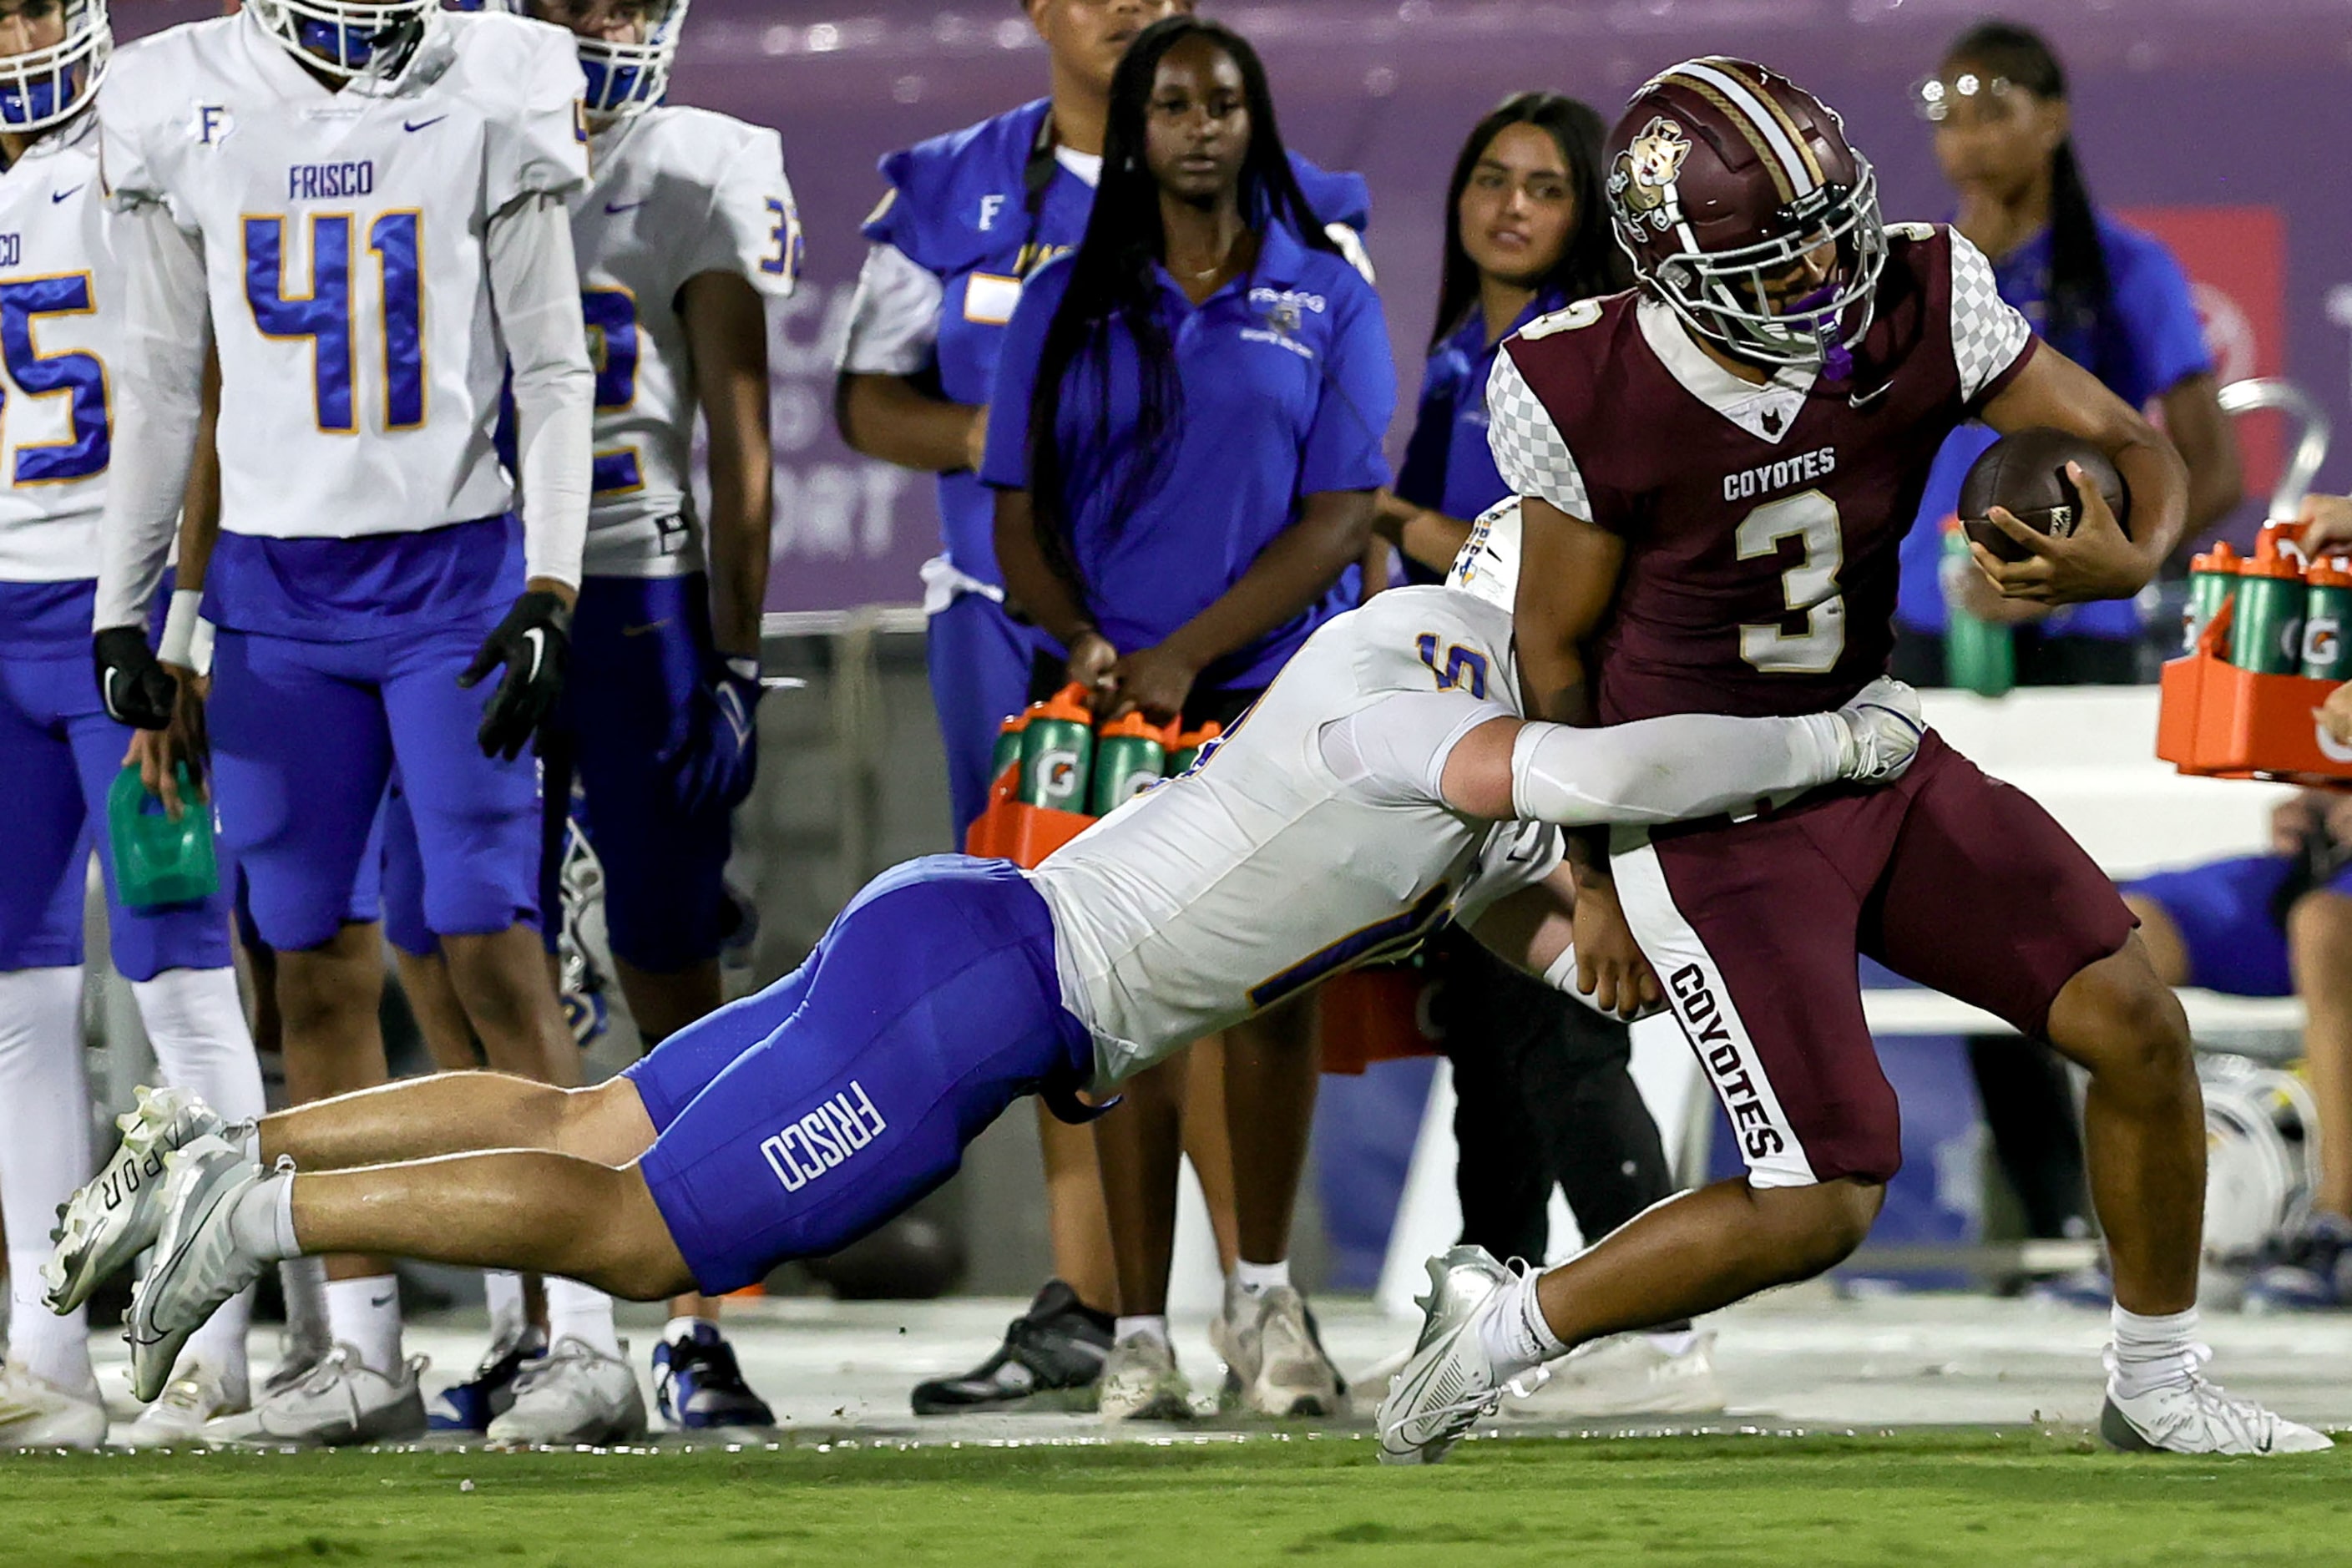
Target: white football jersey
column 677, row 192
column 60, row 326
column 1267, row 868
column 344, row 235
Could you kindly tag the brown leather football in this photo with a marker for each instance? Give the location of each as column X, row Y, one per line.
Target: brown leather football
column 2026, row 472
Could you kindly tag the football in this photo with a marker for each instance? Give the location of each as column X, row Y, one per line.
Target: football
column 2026, row 472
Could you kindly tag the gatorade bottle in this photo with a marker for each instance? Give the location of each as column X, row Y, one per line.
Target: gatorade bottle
column 2267, row 637
column 2212, row 582
column 1979, row 655
column 158, row 861
column 2326, row 619
column 1057, row 749
column 1008, row 748
column 1128, row 757
column 1188, row 748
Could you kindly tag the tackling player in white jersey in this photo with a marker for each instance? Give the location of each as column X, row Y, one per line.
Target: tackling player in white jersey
column 61, row 326
column 1370, row 796
column 686, row 228
column 359, row 204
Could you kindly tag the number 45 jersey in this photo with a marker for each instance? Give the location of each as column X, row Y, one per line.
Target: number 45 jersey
column 344, row 238
column 677, row 192
column 1762, row 524
column 60, row 326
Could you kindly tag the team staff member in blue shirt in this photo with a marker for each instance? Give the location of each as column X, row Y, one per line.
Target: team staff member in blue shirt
column 966, row 219
column 2109, row 296
column 1543, row 1096
column 1187, row 447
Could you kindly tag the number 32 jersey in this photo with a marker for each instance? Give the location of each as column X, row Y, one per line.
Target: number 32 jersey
column 61, row 328
column 345, row 257
column 677, row 192
column 1762, row 524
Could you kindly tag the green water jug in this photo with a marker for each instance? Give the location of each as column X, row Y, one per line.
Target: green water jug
column 1979, row 656
column 158, row 861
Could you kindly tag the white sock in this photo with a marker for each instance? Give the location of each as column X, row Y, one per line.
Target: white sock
column 365, row 1315
column 1254, row 1279
column 678, row 1331
column 196, row 1021
column 2149, row 1353
column 1146, row 1328
column 510, row 1315
column 1514, row 1332
column 582, row 1313
column 263, row 1220
column 45, row 1153
column 304, row 1282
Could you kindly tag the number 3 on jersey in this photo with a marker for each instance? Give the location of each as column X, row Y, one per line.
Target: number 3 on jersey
column 1808, row 588
column 325, row 315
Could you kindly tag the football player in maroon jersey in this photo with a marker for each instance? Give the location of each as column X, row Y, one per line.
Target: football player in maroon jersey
column 1716, row 469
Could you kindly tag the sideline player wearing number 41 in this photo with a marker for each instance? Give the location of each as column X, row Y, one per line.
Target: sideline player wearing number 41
column 1384, row 783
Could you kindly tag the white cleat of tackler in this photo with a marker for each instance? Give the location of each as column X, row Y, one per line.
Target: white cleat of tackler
column 1449, row 1384
column 2198, row 1416
column 116, row 1215
column 198, row 1264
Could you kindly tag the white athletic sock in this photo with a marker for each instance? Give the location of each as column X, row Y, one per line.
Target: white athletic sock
column 510, row 1315
column 1254, row 1279
column 263, row 1220
column 196, row 1022
column 45, row 1153
column 582, row 1313
column 2149, row 1353
column 1515, row 1334
column 678, row 1331
column 365, row 1315
column 304, row 1281
column 1147, row 1327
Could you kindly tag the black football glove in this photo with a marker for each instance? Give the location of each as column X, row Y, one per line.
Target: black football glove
column 534, row 642
column 711, row 767
column 137, row 689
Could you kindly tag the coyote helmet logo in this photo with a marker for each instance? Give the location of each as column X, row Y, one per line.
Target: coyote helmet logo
column 1645, row 177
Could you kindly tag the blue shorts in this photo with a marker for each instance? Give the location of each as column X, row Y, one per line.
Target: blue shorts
column 980, row 667
column 305, row 737
column 2225, row 912
column 796, row 1121
column 59, row 754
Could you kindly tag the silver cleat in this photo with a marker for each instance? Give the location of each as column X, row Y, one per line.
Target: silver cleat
column 198, row 1264
column 1449, row 1383
column 116, row 1215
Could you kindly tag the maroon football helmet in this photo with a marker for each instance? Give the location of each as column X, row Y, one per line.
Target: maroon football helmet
column 1723, row 177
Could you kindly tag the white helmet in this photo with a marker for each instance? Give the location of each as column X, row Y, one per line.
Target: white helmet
column 48, row 87
column 625, row 80
column 2262, row 1159
column 1488, row 564
column 348, row 39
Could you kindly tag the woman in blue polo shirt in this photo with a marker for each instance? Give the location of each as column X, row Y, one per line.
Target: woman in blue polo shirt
column 1186, row 444
column 2107, row 296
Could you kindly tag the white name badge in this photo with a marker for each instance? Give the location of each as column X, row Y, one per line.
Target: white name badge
column 989, row 299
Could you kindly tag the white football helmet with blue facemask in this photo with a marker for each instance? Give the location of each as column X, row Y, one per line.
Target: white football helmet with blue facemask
column 47, row 87
column 627, row 78
column 349, row 39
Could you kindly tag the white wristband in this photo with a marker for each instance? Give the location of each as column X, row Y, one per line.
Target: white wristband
column 179, row 642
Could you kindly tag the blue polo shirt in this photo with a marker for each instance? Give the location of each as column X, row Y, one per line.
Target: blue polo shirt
column 958, row 206
column 1287, row 388
column 1448, row 466
column 2148, row 341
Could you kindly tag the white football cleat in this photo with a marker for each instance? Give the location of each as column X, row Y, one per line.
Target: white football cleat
column 574, row 1393
column 203, row 1392
column 339, row 1401
column 1140, row 1382
column 116, row 1215
column 198, row 1264
column 1275, row 1362
column 1449, row 1383
column 1883, row 722
column 1630, row 1375
column 37, row 1414
column 2198, row 1417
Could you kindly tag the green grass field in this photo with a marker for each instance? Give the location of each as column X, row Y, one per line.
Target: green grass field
column 1911, row 1501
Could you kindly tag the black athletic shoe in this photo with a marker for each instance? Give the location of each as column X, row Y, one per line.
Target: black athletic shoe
column 1052, row 1356
column 699, row 1387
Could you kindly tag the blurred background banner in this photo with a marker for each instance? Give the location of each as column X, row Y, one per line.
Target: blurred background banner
column 2222, row 128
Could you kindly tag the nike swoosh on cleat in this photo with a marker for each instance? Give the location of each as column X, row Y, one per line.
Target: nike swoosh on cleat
column 421, row 124
column 60, row 195
column 619, row 207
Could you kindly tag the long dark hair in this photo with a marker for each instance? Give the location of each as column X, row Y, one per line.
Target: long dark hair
column 1589, row 263
column 2080, row 293
column 1112, row 284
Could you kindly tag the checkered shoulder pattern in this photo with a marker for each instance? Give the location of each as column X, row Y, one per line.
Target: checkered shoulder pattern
column 1532, row 458
column 1988, row 333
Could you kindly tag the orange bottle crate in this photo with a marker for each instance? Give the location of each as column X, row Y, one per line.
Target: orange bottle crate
column 2217, row 719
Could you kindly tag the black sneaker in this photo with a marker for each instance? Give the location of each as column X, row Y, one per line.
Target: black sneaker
column 699, row 1386
column 1051, row 1359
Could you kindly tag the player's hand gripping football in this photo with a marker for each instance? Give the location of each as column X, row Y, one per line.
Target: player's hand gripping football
column 534, row 643
column 713, row 763
column 2097, row 560
column 1611, row 971
column 137, row 689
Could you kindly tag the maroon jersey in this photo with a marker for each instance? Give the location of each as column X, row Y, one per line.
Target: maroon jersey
column 1762, row 524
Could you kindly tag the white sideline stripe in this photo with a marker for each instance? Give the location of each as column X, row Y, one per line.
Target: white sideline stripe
column 1673, row 948
column 1801, row 180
